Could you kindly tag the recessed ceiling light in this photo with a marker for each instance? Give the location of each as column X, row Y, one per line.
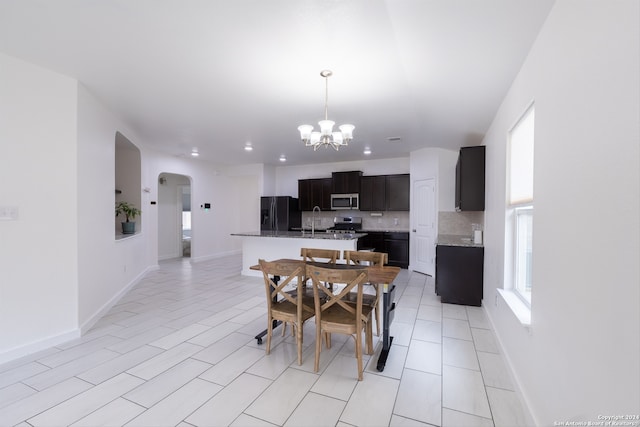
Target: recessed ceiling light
column 195, row 153
column 283, row 158
column 248, row 147
column 367, row 151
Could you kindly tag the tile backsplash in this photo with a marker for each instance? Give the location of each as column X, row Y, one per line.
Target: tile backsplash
column 389, row 221
column 459, row 223
column 454, row 223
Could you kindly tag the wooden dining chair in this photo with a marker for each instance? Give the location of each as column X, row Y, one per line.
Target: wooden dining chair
column 335, row 313
column 369, row 258
column 282, row 304
column 329, row 256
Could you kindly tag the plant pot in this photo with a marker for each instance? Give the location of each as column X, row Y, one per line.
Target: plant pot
column 129, row 227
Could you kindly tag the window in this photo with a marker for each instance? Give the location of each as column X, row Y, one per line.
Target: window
column 520, row 204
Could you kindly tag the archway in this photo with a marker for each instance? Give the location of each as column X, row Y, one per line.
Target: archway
column 174, row 216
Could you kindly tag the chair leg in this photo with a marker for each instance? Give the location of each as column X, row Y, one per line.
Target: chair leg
column 316, row 365
column 359, row 354
column 378, row 302
column 269, row 332
column 298, row 329
column 369, row 337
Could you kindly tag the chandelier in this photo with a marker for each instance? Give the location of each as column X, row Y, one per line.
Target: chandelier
column 326, row 137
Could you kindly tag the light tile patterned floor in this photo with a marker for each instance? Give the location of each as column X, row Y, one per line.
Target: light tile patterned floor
column 179, row 350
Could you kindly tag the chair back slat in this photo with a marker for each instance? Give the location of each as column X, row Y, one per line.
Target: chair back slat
column 329, row 256
column 287, row 272
column 353, row 280
column 366, row 257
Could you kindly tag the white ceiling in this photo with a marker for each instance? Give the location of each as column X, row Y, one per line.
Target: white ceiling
column 217, row 74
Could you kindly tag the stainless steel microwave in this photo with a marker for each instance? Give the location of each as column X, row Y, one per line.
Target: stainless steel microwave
column 345, row 201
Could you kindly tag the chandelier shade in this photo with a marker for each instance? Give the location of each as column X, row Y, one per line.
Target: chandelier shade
column 326, row 136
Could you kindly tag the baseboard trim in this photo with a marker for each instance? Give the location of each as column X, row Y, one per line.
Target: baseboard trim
column 91, row 321
column 215, row 256
column 36, row 346
column 531, row 419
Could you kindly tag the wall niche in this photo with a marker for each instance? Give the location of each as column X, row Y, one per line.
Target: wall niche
column 128, row 180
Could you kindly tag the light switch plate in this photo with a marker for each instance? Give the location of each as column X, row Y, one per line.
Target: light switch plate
column 8, row 213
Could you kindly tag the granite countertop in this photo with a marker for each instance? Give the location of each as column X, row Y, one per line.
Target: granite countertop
column 368, row 230
column 455, row 240
column 385, row 230
column 302, row 235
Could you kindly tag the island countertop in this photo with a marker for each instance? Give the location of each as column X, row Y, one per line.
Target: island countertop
column 302, row 235
column 272, row 245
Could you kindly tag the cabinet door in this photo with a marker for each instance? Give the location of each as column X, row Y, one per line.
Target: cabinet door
column 397, row 192
column 316, row 193
column 304, row 195
column 373, row 193
column 397, row 246
column 470, row 179
column 372, row 241
column 459, row 274
column 345, row 182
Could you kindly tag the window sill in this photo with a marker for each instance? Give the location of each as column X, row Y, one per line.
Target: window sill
column 519, row 308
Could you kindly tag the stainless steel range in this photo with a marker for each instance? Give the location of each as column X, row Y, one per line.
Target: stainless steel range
column 346, row 224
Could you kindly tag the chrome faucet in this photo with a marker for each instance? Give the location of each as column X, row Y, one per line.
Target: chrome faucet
column 313, row 220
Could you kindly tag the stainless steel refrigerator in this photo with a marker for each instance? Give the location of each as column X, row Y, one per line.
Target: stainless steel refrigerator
column 279, row 213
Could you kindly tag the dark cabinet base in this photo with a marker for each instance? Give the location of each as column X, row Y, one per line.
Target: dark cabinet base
column 459, row 274
column 396, row 244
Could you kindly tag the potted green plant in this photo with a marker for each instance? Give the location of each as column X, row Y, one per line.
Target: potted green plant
column 130, row 213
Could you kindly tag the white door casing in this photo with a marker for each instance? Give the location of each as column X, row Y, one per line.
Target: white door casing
column 424, row 220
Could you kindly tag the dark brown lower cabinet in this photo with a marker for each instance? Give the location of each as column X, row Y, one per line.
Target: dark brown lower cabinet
column 396, row 244
column 459, row 274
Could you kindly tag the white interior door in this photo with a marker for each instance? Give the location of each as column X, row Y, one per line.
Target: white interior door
column 424, row 220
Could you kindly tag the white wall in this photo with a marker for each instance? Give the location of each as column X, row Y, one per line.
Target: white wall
column 581, row 357
column 38, row 253
column 106, row 267
column 232, row 192
column 61, row 267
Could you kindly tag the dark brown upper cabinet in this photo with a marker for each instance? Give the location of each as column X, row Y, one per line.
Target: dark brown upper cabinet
column 314, row 192
column 385, row 192
column 345, row 182
column 397, row 192
column 470, row 180
column 373, row 193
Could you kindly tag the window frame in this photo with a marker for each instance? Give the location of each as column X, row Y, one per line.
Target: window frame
column 513, row 212
column 518, row 276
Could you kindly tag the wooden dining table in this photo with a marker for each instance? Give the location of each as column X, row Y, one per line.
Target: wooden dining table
column 382, row 275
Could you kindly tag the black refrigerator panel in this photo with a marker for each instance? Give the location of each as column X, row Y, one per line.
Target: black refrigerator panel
column 279, row 213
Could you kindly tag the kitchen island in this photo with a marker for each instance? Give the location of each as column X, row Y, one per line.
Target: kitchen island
column 272, row 245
